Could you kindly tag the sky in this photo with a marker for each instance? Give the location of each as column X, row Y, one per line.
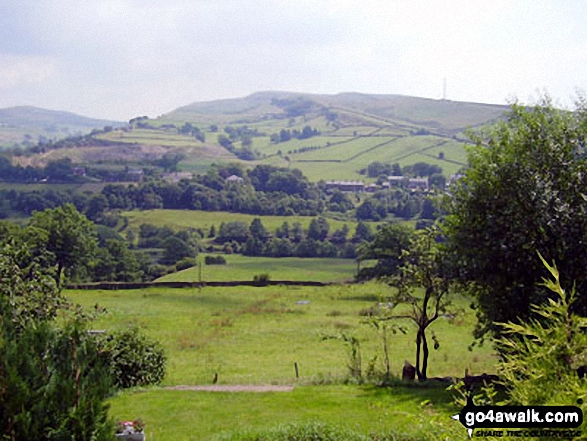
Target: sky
column 118, row 59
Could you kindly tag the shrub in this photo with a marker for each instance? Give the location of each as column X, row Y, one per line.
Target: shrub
column 215, row 260
column 134, row 359
column 261, row 279
column 185, row 263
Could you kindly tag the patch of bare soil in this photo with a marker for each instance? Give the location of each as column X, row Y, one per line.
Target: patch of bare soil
column 233, row 388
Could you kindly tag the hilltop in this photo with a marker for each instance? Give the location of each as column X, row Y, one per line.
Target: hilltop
column 445, row 116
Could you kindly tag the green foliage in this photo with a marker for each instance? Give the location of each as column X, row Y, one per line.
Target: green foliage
column 522, row 191
column 421, row 269
column 185, row 263
column 175, row 250
column 262, row 279
column 215, row 260
column 134, row 359
column 354, row 364
column 70, row 237
column 54, row 382
column 386, row 247
column 545, row 351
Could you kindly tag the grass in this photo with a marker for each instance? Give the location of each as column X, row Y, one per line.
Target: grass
column 182, row 219
column 241, row 267
column 254, row 336
column 178, row 415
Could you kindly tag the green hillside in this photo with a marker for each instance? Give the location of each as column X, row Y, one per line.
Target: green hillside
column 330, row 137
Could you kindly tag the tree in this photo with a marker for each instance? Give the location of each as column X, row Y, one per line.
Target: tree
column 522, row 192
column 71, row 238
column 55, row 382
column 422, row 269
column 318, row 229
column 362, row 233
column 176, row 249
column 258, row 231
column 387, row 248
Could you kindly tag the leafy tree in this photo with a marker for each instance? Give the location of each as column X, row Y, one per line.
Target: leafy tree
column 232, row 231
column 318, row 229
column 387, row 247
column 54, row 381
column 421, row 269
column 362, row 233
column 176, row 249
column 258, row 231
column 71, row 237
column 369, row 210
column 115, row 262
column 523, row 191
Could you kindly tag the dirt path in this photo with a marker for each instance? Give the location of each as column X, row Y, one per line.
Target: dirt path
column 233, row 388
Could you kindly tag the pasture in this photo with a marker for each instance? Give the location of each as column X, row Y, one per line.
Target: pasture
column 183, row 219
column 239, row 267
column 253, row 336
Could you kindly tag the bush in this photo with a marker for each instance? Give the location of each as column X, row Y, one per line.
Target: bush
column 185, row 263
column 215, row 260
column 134, row 359
column 261, row 279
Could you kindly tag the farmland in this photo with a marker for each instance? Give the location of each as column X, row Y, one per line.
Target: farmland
column 204, row 220
column 240, row 267
column 254, row 336
column 351, row 131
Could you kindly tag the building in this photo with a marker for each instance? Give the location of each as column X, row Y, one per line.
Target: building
column 234, row 178
column 346, row 186
column 409, row 183
column 135, row 175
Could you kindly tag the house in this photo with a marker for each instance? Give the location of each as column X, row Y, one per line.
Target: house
column 410, row 183
column 135, row 175
column 175, row 177
column 234, row 178
column 346, row 186
column 79, row 171
column 418, row 184
column 371, row 188
column 396, row 181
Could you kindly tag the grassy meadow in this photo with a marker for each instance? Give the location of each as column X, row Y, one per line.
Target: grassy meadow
column 253, row 336
column 239, row 267
column 182, row 219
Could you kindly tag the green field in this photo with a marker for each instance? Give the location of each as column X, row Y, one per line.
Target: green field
column 239, row 267
column 255, row 335
column 182, row 219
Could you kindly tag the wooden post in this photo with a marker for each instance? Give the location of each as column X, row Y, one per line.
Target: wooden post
column 296, row 368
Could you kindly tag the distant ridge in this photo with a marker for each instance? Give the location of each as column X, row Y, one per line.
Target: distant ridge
column 446, row 116
column 35, row 117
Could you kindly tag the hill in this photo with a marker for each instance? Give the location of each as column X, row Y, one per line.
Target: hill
column 18, row 122
column 354, row 129
column 330, row 137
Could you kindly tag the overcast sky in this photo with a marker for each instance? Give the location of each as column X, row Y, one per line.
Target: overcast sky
column 118, row 59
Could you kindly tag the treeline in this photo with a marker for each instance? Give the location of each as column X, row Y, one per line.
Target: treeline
column 264, row 190
column 289, row 239
column 286, row 135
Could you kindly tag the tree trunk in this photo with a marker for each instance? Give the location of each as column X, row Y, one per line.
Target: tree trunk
column 418, row 346
column 425, row 353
